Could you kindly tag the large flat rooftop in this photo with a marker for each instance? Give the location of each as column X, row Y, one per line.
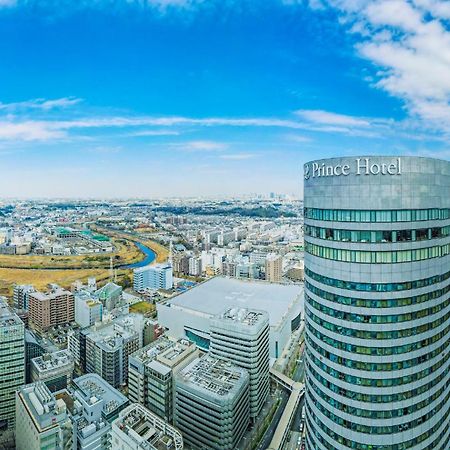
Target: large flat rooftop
column 219, row 293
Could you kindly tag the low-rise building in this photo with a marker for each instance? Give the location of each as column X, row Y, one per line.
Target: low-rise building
column 137, row 428
column 54, row 369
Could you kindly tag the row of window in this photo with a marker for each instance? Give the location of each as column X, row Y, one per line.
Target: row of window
column 375, row 319
column 377, row 257
column 437, row 444
column 372, row 429
column 379, row 414
column 368, row 398
column 378, row 287
column 377, row 351
column 389, row 215
column 366, row 334
column 379, row 367
column 376, row 237
column 377, row 303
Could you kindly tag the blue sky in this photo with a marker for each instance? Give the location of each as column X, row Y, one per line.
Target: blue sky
column 116, row 98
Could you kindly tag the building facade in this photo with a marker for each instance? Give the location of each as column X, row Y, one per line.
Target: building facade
column 159, row 276
column 12, row 364
column 151, row 372
column 212, row 404
column 377, row 283
column 274, row 268
column 242, row 336
column 54, row 369
column 52, row 308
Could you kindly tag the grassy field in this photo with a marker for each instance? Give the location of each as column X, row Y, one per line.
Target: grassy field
column 142, row 308
column 41, row 278
column 126, row 253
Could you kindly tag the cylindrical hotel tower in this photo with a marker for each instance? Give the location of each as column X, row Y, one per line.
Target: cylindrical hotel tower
column 377, row 306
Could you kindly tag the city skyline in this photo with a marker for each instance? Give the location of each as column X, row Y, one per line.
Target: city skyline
column 116, row 99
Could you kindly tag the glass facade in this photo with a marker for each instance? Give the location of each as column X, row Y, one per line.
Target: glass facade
column 377, row 307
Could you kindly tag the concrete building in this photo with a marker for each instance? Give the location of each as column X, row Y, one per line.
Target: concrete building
column 12, row 364
column 41, row 420
column 110, row 295
column 242, row 337
column 54, row 369
column 151, row 371
column 377, row 274
column 88, row 309
column 189, row 314
column 77, row 418
column 52, row 308
column 274, row 268
column 104, row 349
column 20, row 295
column 212, row 404
column 137, row 428
column 158, row 276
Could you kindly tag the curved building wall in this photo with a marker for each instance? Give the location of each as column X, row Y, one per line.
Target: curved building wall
column 377, row 303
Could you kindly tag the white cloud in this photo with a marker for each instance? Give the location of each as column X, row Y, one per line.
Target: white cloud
column 41, row 103
column 409, row 41
column 29, row 131
column 330, row 118
column 203, row 146
column 238, row 156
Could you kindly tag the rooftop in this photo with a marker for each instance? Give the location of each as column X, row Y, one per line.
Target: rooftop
column 217, row 377
column 147, row 430
column 45, row 410
column 165, row 351
column 7, row 317
column 52, row 361
column 243, row 315
column 219, row 293
column 92, row 388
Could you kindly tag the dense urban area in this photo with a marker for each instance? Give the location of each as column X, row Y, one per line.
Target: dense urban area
column 124, row 311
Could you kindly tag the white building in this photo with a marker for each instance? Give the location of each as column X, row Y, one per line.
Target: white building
column 189, row 314
column 159, row 276
column 88, row 310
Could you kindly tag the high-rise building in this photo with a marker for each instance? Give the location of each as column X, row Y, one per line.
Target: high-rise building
column 151, row 371
column 41, row 420
column 274, row 268
column 159, row 276
column 212, row 403
column 78, row 417
column 377, row 283
column 20, row 295
column 242, row 336
column 52, row 308
column 104, row 349
column 54, row 369
column 12, row 364
column 137, row 428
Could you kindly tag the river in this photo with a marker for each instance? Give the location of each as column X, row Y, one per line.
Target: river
column 150, row 256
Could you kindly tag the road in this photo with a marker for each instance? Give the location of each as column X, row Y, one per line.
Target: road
column 268, row 435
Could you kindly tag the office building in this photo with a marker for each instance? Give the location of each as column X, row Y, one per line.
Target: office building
column 151, row 371
column 54, row 369
column 52, row 308
column 12, row 364
column 274, row 268
column 41, row 420
column 88, row 309
column 137, row 428
column 242, row 337
column 104, row 348
column 377, row 283
column 212, row 403
column 189, row 313
column 158, row 276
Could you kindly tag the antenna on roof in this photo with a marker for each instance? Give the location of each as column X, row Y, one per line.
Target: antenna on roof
column 170, row 253
column 111, row 268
